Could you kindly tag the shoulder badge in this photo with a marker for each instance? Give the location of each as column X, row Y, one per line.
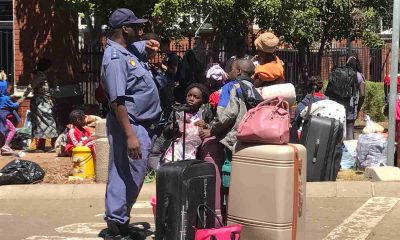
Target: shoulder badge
column 132, row 62
column 114, row 54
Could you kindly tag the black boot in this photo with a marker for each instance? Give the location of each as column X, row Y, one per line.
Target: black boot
column 117, row 231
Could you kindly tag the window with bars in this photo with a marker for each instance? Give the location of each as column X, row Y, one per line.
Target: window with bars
column 6, row 11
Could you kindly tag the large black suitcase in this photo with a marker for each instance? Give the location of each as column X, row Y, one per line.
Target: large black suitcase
column 181, row 187
column 322, row 138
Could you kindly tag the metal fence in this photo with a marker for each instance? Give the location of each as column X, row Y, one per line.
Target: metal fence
column 6, row 52
column 375, row 64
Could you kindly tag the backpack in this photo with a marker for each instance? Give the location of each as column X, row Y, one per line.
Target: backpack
column 249, row 94
column 342, row 83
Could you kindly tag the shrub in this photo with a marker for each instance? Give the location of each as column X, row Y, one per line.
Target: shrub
column 374, row 101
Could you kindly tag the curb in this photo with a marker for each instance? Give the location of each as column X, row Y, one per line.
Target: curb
column 353, row 189
column 97, row 191
column 64, row 191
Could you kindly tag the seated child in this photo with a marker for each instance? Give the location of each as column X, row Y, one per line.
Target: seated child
column 78, row 134
column 7, row 112
column 270, row 69
column 198, row 114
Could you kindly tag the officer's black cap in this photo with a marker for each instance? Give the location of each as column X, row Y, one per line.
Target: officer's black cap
column 122, row 17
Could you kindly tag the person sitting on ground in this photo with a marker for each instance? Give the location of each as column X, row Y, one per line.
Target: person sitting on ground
column 79, row 135
column 270, row 69
column 7, row 112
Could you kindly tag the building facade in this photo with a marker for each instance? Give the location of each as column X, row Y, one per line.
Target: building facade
column 33, row 29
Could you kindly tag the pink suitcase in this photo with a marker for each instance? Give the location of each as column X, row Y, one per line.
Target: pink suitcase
column 267, row 193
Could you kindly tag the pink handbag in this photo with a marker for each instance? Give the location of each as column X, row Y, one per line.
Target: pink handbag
column 268, row 123
column 231, row 232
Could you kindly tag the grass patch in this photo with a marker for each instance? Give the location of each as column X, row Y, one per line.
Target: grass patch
column 351, row 175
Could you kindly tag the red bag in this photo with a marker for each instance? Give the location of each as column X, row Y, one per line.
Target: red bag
column 267, row 123
column 231, row 232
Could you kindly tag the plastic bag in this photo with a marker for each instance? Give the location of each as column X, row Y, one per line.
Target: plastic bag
column 21, row 138
column 372, row 127
column 192, row 141
column 21, row 172
column 372, row 150
column 347, row 161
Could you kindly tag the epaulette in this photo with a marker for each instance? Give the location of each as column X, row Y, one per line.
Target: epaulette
column 114, row 54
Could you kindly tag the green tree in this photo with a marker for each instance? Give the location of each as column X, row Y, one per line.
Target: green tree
column 302, row 23
column 306, row 23
column 101, row 9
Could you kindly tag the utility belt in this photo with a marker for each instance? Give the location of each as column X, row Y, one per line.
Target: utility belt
column 151, row 126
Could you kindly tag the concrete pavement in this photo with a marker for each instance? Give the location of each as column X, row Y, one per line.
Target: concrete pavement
column 341, row 210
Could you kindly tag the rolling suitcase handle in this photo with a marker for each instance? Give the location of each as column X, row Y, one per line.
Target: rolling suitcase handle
column 234, row 234
column 316, row 152
column 308, row 114
column 207, row 208
column 297, row 190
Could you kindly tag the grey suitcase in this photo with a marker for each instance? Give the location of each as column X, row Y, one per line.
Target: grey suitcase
column 323, row 139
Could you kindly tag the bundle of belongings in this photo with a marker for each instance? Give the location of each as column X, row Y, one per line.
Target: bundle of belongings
column 329, row 109
column 349, row 154
column 372, row 145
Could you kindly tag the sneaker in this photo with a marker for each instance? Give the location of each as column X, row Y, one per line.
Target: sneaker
column 6, row 150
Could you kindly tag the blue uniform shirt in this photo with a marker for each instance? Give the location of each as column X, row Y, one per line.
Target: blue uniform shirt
column 123, row 75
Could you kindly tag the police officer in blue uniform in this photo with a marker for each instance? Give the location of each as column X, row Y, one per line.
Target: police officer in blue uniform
column 135, row 107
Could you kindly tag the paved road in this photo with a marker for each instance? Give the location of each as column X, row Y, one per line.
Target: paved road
column 327, row 218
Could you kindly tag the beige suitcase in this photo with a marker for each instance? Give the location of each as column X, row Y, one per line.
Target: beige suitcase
column 264, row 196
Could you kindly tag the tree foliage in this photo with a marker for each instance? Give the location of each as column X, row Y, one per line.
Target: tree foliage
column 103, row 8
column 301, row 23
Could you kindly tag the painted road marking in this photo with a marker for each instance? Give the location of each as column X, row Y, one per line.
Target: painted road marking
column 82, row 228
column 142, row 205
column 58, row 238
column 360, row 224
column 5, row 214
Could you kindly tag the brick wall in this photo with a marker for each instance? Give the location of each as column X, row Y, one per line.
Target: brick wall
column 41, row 31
